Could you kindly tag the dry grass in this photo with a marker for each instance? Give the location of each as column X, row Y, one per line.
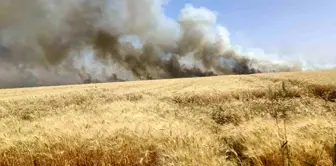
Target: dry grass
column 226, row 120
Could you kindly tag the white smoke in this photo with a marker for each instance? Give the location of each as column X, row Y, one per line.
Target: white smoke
column 67, row 41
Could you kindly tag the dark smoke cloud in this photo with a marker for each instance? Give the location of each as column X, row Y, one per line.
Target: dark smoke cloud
column 80, row 41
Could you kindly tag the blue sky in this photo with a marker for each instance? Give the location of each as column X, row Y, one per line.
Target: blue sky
column 286, row 27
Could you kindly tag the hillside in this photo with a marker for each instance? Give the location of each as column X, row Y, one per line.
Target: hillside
column 193, row 121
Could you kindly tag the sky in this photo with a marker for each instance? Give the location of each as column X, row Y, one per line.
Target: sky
column 288, row 28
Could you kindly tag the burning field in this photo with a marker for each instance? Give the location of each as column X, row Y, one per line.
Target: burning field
column 240, row 109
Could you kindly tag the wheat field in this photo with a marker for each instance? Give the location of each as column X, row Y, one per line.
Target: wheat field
column 260, row 119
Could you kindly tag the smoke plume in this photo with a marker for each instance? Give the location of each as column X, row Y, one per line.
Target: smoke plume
column 78, row 41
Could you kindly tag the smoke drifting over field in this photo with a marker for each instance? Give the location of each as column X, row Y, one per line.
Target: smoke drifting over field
column 75, row 41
